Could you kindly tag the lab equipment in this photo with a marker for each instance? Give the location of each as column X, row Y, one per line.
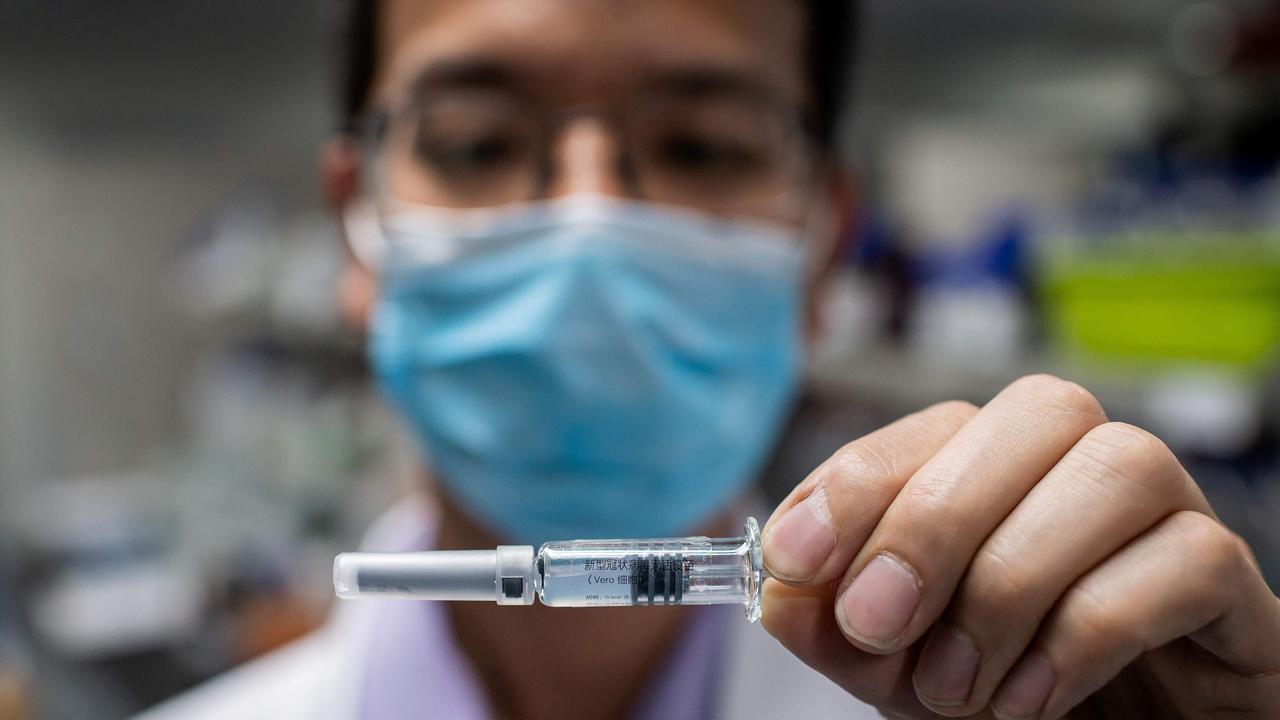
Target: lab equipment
column 573, row 573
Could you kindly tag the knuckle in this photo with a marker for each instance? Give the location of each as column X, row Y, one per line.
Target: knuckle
column 1129, row 451
column 1067, row 395
column 997, row 582
column 1092, row 623
column 876, row 459
column 1130, row 439
column 958, row 411
column 1220, row 552
column 930, row 501
column 857, row 460
column 865, row 465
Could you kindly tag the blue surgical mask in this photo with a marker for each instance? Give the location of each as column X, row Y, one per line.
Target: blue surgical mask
column 590, row 367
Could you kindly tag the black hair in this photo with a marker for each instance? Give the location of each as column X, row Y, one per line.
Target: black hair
column 829, row 55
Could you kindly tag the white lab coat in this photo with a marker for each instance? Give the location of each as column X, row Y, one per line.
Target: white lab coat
column 318, row 677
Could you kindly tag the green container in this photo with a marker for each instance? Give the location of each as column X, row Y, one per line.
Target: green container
column 1217, row 302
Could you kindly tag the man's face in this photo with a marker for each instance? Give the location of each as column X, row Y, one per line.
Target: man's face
column 691, row 102
column 696, row 103
column 708, row 93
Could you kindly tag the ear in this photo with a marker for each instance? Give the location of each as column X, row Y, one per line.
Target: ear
column 841, row 196
column 340, row 171
column 340, row 182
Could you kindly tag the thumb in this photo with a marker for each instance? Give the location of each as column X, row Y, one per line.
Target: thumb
column 803, row 620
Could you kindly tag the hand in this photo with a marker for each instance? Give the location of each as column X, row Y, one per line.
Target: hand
column 1022, row 561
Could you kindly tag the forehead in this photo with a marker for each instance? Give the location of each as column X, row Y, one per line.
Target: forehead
column 589, row 50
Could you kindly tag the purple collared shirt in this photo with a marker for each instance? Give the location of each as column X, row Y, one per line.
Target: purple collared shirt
column 413, row 668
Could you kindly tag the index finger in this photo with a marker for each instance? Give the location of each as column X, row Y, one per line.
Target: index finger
column 814, row 534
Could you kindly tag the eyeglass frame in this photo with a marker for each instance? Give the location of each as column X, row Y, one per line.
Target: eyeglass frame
column 372, row 127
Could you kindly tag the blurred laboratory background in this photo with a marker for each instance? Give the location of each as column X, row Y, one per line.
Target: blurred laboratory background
column 187, row 436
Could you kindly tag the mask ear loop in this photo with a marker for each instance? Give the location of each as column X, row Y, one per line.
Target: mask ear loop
column 364, row 234
column 360, row 218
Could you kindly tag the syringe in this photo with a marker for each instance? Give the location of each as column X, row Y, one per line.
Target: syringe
column 573, row 573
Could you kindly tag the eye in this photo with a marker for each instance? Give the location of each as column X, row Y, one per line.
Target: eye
column 467, row 152
column 696, row 153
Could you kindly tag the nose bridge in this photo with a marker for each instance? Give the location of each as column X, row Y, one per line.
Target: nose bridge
column 586, row 158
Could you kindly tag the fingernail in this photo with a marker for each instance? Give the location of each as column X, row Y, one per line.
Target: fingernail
column 1025, row 689
column 947, row 667
column 878, row 605
column 800, row 542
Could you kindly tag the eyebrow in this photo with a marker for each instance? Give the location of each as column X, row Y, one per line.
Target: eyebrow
column 692, row 79
column 463, row 72
column 715, row 80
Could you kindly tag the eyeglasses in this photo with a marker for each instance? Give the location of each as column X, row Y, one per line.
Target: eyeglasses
column 722, row 151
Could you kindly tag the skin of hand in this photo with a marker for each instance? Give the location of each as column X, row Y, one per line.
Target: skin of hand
column 1029, row 559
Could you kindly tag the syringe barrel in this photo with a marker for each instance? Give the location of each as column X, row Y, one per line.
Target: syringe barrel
column 672, row 571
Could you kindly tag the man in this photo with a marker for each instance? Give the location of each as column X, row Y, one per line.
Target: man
column 586, row 237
